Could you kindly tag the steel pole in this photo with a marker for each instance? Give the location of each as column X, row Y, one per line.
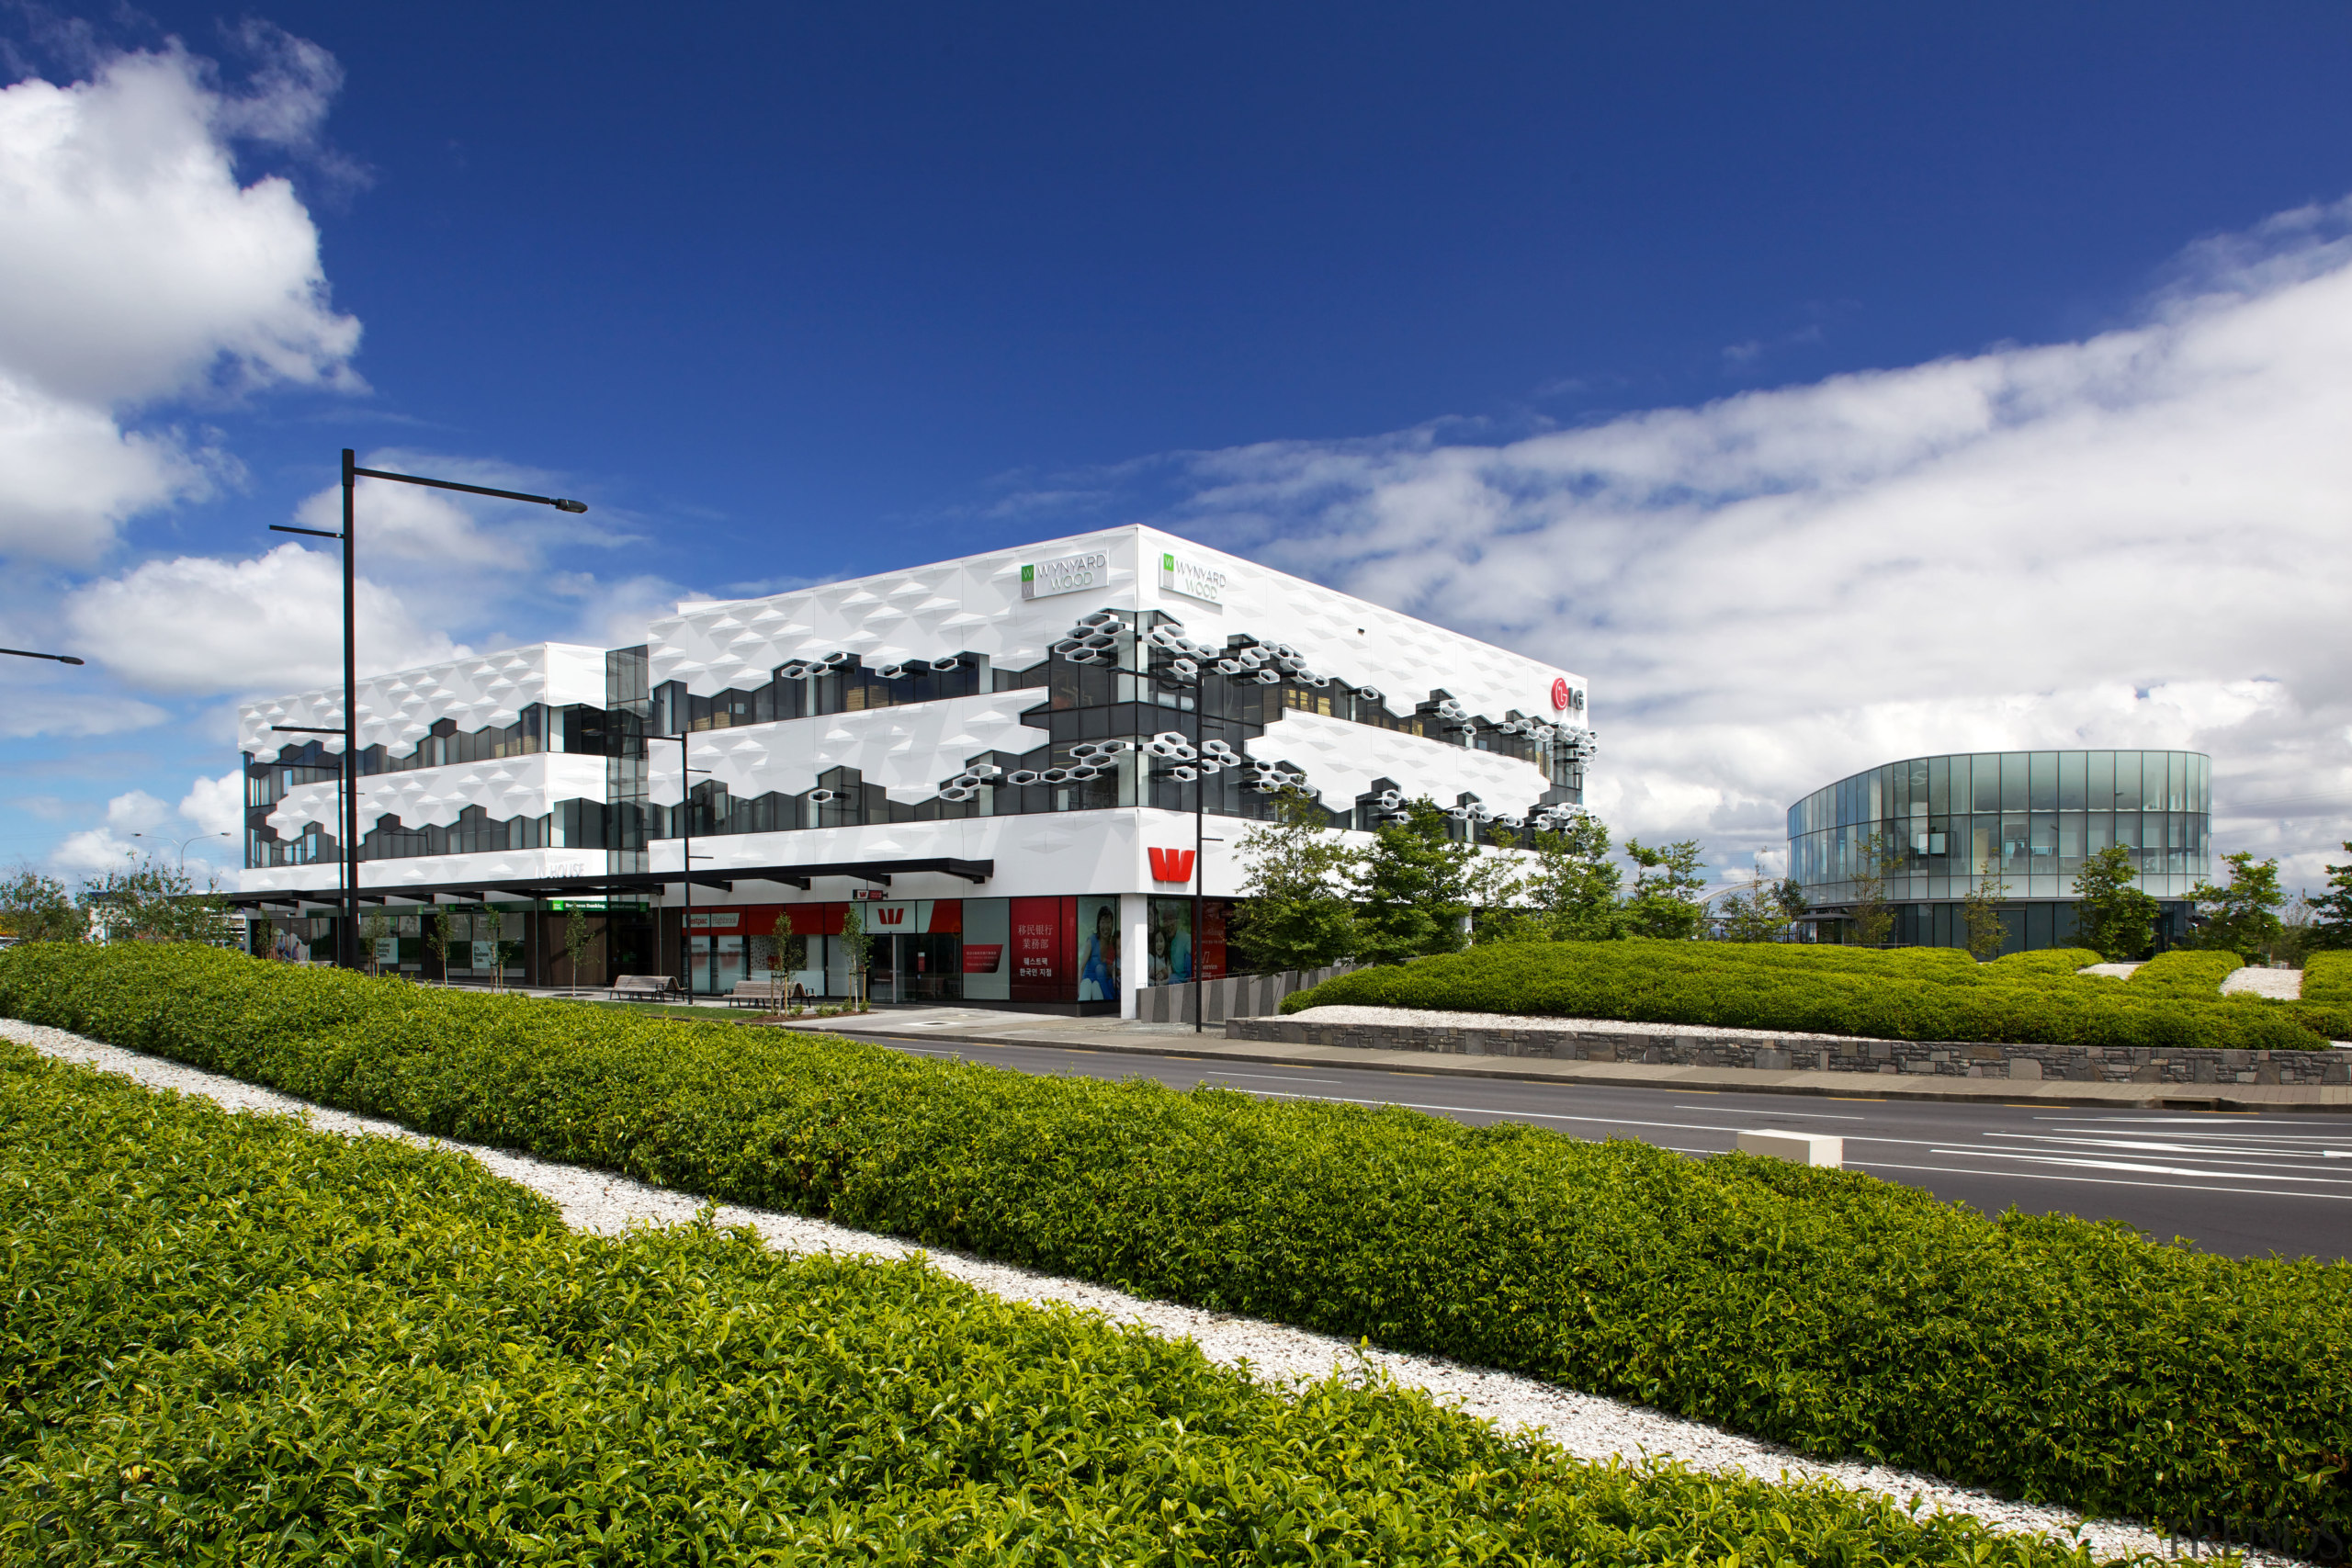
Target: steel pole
column 687, row 864
column 1200, row 865
column 349, row 945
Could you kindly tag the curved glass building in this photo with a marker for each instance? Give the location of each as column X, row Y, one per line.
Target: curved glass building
column 2027, row 818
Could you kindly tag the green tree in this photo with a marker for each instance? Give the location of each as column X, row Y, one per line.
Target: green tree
column 1872, row 920
column 2242, row 916
column 440, row 934
column 1295, row 912
column 1412, row 890
column 150, row 901
column 34, row 908
column 857, row 949
column 1984, row 933
column 577, row 938
column 2331, row 925
column 1664, row 901
column 1569, row 892
column 2112, row 916
column 1762, row 912
column 374, row 927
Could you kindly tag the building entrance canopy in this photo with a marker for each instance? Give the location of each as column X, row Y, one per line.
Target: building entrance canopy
column 482, row 890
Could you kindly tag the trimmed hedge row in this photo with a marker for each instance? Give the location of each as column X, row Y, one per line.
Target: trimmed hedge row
column 1903, row 994
column 2186, row 973
column 2043, row 1357
column 232, row 1341
column 2327, row 979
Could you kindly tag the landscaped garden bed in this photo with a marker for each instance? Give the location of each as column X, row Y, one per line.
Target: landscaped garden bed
column 1938, row 993
column 235, row 1341
column 2046, row 1357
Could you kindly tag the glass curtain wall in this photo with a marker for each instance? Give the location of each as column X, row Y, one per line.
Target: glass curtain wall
column 1939, row 824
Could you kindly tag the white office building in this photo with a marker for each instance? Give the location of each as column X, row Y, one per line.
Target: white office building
column 998, row 758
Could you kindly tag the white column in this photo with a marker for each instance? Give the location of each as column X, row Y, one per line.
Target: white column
column 1134, row 949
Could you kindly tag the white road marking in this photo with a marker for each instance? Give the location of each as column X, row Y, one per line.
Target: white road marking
column 2134, row 1166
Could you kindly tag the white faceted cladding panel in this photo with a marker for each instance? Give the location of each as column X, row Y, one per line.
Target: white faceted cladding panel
column 1357, row 641
column 907, row 750
column 1061, row 852
column 398, row 708
column 504, row 788
column 1342, row 758
column 924, row 611
column 975, row 604
column 427, row 871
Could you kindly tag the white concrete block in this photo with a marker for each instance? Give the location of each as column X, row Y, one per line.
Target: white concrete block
column 1803, row 1149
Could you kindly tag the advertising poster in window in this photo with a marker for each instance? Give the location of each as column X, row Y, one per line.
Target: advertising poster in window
column 1212, row 943
column 1172, row 941
column 1040, row 970
column 1098, row 944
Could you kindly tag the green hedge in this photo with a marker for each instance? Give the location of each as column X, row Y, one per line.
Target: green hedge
column 2043, row 1357
column 1903, row 994
column 231, row 1340
column 2186, row 973
column 2327, row 979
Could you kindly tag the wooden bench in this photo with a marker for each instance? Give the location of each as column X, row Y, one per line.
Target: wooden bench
column 760, row 993
column 644, row 988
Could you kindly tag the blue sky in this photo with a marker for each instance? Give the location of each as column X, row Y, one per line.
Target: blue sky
column 1802, row 376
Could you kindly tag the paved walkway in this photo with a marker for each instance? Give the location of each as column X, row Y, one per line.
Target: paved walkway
column 988, row 1027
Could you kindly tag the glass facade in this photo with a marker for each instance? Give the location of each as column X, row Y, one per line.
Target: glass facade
column 1082, row 704
column 2029, row 818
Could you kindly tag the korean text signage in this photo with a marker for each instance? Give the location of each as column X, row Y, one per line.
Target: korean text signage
column 1071, row 574
column 1042, row 961
column 1193, row 580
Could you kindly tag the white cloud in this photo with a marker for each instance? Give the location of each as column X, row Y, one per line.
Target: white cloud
column 134, row 267
column 217, row 805
column 197, row 626
column 409, row 524
column 135, row 811
column 92, row 851
column 2138, row 538
column 55, row 711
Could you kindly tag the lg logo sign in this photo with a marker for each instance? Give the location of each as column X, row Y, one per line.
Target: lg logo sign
column 1564, row 697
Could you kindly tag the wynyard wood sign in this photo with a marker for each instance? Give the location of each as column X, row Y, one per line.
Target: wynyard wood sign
column 1070, row 574
column 1193, row 580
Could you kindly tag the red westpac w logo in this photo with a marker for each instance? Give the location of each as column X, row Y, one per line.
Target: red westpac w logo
column 891, row 917
column 1171, row 865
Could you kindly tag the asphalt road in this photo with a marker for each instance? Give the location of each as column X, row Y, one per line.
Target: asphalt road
column 2242, row 1184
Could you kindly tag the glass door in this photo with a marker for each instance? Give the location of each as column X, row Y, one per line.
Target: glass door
column 718, row 964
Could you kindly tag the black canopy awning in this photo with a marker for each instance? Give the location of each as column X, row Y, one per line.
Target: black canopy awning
column 477, row 890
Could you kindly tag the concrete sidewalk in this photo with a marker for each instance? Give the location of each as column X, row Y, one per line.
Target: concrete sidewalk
column 976, row 1026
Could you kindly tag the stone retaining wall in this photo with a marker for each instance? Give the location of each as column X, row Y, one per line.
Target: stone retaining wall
column 2074, row 1064
column 1231, row 996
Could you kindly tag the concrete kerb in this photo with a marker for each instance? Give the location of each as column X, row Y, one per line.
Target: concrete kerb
column 1815, row 1083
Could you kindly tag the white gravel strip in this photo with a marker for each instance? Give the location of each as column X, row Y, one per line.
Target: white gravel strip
column 1586, row 1425
column 2284, row 984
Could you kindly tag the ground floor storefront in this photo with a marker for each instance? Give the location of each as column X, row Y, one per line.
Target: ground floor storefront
column 1078, row 952
column 2027, row 925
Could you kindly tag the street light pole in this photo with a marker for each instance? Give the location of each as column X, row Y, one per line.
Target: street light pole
column 1196, row 771
column 347, row 937
column 341, row 794
column 184, row 843
column 59, row 657
column 687, row 864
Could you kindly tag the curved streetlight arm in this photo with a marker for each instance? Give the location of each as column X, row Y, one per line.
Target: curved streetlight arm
column 27, row 653
column 559, row 503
